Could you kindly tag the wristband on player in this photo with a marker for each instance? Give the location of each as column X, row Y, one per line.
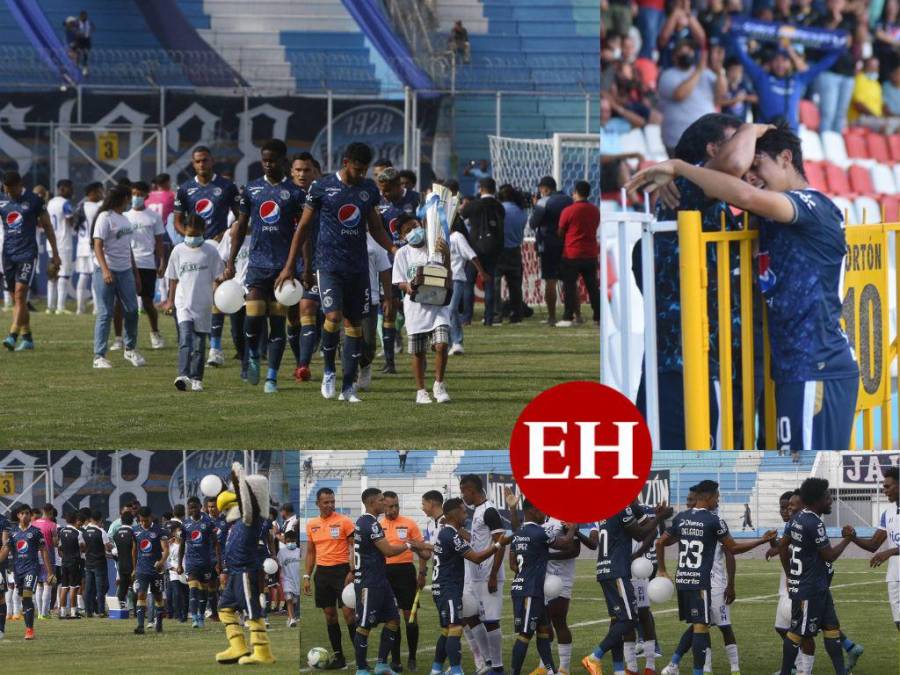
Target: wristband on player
column 498, row 545
column 306, row 576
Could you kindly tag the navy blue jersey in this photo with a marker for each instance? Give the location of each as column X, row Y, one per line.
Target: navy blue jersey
column 149, row 547
column 449, row 570
column 198, row 536
column 274, row 211
column 697, row 531
column 5, row 526
column 808, row 574
column 391, row 211
column 221, row 527
column 800, row 266
column 20, row 223
column 649, row 512
column 614, row 545
column 242, row 548
column 531, row 547
column 368, row 560
column 212, row 202
column 343, row 223
column 25, row 549
column 124, row 541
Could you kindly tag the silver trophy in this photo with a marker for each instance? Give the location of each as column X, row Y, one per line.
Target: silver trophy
column 433, row 281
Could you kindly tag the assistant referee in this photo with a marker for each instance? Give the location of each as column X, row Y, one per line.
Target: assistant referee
column 329, row 543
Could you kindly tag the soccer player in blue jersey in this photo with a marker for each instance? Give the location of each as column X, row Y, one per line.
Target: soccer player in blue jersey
column 449, row 551
column 345, row 204
column 801, row 260
column 375, row 601
column 25, row 546
column 195, row 558
column 697, row 531
column 5, row 527
column 270, row 207
column 21, row 213
column 149, row 555
column 807, row 556
column 211, row 197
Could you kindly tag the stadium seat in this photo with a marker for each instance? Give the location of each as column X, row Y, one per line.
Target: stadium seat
column 847, row 209
column 815, row 174
column 855, row 143
column 835, row 150
column 634, row 141
column 883, row 179
column 860, row 180
column 894, row 147
column 838, row 184
column 811, row 144
column 878, row 148
column 809, row 115
column 868, row 210
column 656, row 149
column 891, row 207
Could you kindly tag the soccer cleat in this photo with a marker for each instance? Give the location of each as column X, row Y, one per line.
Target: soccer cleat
column 540, row 670
column 456, row 349
column 9, row 342
column 196, row 385
column 253, row 370
column 182, row 382
column 592, row 665
column 159, row 627
column 156, row 341
column 411, row 665
column 117, row 345
column 364, row 380
column 440, row 392
column 337, row 663
column 270, row 387
column 292, row 623
column 139, row 630
column 133, row 356
column 853, row 656
column 349, row 396
column 302, row 374
column 216, row 358
column 101, row 362
column 389, row 369
column 423, row 398
column 671, row 669
column 397, row 667
column 564, row 324
column 328, row 380
column 29, row 633
column 383, row 669
column 195, row 623
column 25, row 346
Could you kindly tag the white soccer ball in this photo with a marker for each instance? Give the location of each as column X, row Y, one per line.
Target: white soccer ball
column 290, row 293
column 470, row 604
column 348, row 595
column 270, row 566
column 553, row 586
column 318, row 657
column 211, row 485
column 229, row 296
column 660, row 590
column 641, row 568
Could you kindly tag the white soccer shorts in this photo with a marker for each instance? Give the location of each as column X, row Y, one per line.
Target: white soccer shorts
column 640, row 592
column 894, row 599
column 490, row 605
column 783, row 613
column 84, row 264
column 721, row 612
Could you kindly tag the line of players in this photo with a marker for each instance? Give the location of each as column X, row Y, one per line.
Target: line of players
column 466, row 579
column 140, row 545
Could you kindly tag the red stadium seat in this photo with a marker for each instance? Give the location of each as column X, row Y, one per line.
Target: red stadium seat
column 809, row 115
column 861, row 180
column 837, row 181
column 878, row 148
column 894, row 147
column 815, row 174
column 891, row 207
column 856, row 145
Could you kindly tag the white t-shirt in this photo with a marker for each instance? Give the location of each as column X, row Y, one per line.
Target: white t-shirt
column 84, row 248
column 419, row 318
column 147, row 225
column 114, row 230
column 486, row 522
column 60, row 211
column 564, row 569
column 460, row 253
column 718, row 574
column 289, row 562
column 195, row 269
column 243, row 256
column 890, row 523
column 378, row 262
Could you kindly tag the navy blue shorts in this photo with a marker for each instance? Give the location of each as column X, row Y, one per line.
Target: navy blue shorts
column 449, row 607
column 621, row 603
column 26, row 582
column 814, row 415
column 528, row 613
column 374, row 605
column 311, row 293
column 201, row 572
column 810, row 616
column 21, row 272
column 242, row 592
column 695, row 606
column 551, row 259
column 262, row 279
column 150, row 583
column 345, row 292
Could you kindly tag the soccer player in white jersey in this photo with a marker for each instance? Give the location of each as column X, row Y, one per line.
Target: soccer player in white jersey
column 649, row 648
column 433, row 508
column 84, row 256
column 889, row 529
column 484, row 581
column 722, row 594
column 61, row 213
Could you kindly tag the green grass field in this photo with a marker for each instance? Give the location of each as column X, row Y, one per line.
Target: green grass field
column 55, row 400
column 859, row 592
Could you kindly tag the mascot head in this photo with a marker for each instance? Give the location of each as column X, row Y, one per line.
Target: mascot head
column 247, row 500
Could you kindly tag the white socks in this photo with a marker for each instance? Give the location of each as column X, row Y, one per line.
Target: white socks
column 732, row 652
column 565, row 656
column 630, row 658
column 474, row 647
column 51, row 294
column 82, row 291
column 62, row 292
column 495, row 645
column 805, row 663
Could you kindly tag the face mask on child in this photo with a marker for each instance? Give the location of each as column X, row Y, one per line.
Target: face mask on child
column 193, row 242
column 291, row 546
column 415, row 237
column 137, row 202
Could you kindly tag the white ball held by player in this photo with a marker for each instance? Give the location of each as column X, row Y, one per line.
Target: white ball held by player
column 229, row 297
column 290, row 293
column 348, row 595
column 552, row 587
column 270, row 566
column 660, row 590
column 641, row 568
column 318, row 657
column 211, row 484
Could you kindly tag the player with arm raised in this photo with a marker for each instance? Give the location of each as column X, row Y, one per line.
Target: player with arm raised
column 696, row 531
column 344, row 203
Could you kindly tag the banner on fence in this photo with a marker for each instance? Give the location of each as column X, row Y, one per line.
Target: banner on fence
column 861, row 469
